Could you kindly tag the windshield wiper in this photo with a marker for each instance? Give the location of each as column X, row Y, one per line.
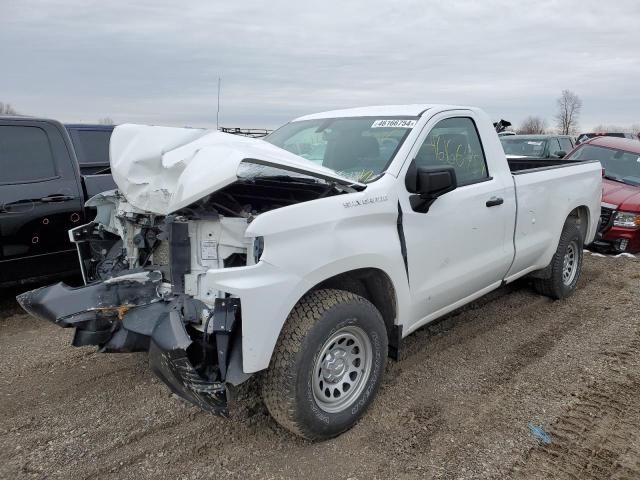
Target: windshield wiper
column 622, row 180
column 615, row 179
column 288, row 178
column 629, row 181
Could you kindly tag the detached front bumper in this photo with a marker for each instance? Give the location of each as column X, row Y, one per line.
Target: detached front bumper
column 126, row 315
column 94, row 310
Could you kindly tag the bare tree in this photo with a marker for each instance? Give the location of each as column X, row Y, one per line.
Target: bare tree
column 106, row 121
column 7, row 109
column 533, row 125
column 606, row 128
column 569, row 106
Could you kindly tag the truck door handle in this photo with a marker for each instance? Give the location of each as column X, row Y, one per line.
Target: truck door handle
column 494, row 201
column 56, row 198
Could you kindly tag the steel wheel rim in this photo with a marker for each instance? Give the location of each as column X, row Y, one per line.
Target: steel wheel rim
column 341, row 369
column 570, row 263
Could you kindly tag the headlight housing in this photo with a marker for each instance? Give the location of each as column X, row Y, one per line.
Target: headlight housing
column 627, row 220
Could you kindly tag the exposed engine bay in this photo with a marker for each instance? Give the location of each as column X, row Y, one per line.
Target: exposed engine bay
column 123, row 238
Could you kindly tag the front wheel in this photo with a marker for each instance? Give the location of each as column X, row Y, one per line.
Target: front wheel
column 566, row 265
column 327, row 365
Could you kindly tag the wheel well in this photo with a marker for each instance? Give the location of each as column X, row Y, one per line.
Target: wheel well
column 581, row 216
column 372, row 284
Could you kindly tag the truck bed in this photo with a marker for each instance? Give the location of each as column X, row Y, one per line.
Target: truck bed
column 527, row 165
column 542, row 193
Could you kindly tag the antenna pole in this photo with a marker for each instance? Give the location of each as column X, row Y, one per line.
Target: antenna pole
column 218, row 112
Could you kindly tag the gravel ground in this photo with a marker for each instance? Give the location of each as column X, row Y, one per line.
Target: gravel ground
column 460, row 403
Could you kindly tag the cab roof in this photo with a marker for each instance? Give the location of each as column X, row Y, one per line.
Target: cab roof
column 414, row 110
column 90, row 126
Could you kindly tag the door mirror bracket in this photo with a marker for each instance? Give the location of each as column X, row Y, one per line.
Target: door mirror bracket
column 427, row 184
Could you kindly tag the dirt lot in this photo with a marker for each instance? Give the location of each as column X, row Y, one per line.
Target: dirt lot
column 459, row 404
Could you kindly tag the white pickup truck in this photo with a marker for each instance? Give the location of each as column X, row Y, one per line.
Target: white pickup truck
column 309, row 255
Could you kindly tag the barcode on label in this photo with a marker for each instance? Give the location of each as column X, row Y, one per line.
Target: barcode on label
column 394, row 123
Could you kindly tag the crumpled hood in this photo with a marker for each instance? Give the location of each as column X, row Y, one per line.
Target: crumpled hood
column 163, row 169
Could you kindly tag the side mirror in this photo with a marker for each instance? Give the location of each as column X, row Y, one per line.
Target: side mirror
column 560, row 154
column 428, row 183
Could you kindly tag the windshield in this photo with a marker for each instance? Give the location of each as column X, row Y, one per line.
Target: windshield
column 618, row 165
column 357, row 148
column 526, row 147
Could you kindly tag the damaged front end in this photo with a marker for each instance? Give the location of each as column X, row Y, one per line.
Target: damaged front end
column 185, row 201
column 129, row 313
column 141, row 273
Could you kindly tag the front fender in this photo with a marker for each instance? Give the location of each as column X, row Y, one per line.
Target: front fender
column 268, row 294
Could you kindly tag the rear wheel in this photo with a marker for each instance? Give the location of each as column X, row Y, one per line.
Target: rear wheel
column 566, row 264
column 328, row 364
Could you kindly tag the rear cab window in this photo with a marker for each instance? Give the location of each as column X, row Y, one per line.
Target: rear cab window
column 455, row 142
column 25, row 155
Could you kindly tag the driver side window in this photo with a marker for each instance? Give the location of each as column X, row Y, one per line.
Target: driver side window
column 455, row 142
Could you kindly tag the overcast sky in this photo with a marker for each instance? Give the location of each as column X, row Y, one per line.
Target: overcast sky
column 158, row 61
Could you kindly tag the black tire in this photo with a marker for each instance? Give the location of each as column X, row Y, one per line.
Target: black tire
column 289, row 385
column 557, row 286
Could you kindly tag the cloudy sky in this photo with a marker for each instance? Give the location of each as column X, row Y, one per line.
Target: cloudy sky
column 159, row 61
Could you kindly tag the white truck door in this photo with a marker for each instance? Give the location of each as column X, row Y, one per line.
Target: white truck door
column 463, row 246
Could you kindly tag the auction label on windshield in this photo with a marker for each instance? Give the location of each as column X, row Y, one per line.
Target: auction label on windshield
column 394, row 123
column 209, row 249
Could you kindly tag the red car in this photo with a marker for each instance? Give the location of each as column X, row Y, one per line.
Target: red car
column 620, row 215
